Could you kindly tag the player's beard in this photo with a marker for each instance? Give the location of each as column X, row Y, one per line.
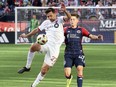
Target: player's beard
column 52, row 20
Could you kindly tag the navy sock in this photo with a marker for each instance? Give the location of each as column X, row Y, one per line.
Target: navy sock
column 79, row 81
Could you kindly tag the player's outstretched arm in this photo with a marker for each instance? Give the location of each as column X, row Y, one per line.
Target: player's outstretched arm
column 63, row 9
column 29, row 34
column 96, row 37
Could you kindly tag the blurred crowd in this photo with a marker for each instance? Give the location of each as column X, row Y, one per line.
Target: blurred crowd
column 14, row 3
column 7, row 6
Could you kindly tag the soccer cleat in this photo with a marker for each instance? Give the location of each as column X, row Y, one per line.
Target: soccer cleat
column 69, row 81
column 24, row 69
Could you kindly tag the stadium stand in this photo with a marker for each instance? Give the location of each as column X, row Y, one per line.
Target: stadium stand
column 7, row 7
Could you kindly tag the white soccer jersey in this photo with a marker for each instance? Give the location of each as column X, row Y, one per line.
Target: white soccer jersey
column 54, row 30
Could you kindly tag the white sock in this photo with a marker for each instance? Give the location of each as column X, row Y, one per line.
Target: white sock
column 38, row 79
column 29, row 59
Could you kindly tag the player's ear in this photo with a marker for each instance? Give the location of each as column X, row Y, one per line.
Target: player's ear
column 77, row 20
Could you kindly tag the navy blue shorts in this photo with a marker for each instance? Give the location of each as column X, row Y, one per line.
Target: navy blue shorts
column 71, row 60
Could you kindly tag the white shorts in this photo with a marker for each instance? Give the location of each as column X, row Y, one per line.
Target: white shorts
column 52, row 53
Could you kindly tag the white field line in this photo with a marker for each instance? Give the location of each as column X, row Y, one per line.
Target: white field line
column 63, row 81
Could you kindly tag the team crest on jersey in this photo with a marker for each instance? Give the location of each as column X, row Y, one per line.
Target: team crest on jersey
column 78, row 31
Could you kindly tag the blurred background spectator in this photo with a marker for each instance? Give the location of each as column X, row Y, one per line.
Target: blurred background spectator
column 54, row 3
column 11, row 4
column 100, row 12
column 44, row 3
column 113, row 11
column 89, row 3
column 1, row 9
column 36, row 3
column 71, row 2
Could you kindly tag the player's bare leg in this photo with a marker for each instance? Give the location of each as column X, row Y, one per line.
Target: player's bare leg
column 41, row 75
column 35, row 47
column 79, row 76
column 68, row 75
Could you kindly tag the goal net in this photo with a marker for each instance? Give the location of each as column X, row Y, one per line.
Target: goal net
column 100, row 20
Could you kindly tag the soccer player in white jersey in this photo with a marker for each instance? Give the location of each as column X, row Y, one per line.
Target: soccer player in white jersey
column 53, row 27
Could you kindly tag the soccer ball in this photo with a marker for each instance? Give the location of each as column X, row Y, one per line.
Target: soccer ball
column 41, row 39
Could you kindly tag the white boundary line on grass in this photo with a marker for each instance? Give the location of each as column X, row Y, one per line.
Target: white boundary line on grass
column 62, row 83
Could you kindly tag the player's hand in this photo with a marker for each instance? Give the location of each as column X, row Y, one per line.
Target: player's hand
column 63, row 8
column 23, row 35
column 100, row 37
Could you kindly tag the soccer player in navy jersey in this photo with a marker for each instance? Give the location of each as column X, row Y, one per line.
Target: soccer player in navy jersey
column 73, row 51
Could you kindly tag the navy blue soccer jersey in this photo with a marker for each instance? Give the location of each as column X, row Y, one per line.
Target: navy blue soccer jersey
column 73, row 40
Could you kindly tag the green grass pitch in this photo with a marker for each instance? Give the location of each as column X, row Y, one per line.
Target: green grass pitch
column 100, row 70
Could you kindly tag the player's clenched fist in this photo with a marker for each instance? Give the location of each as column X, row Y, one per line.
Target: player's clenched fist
column 100, row 37
column 63, row 8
